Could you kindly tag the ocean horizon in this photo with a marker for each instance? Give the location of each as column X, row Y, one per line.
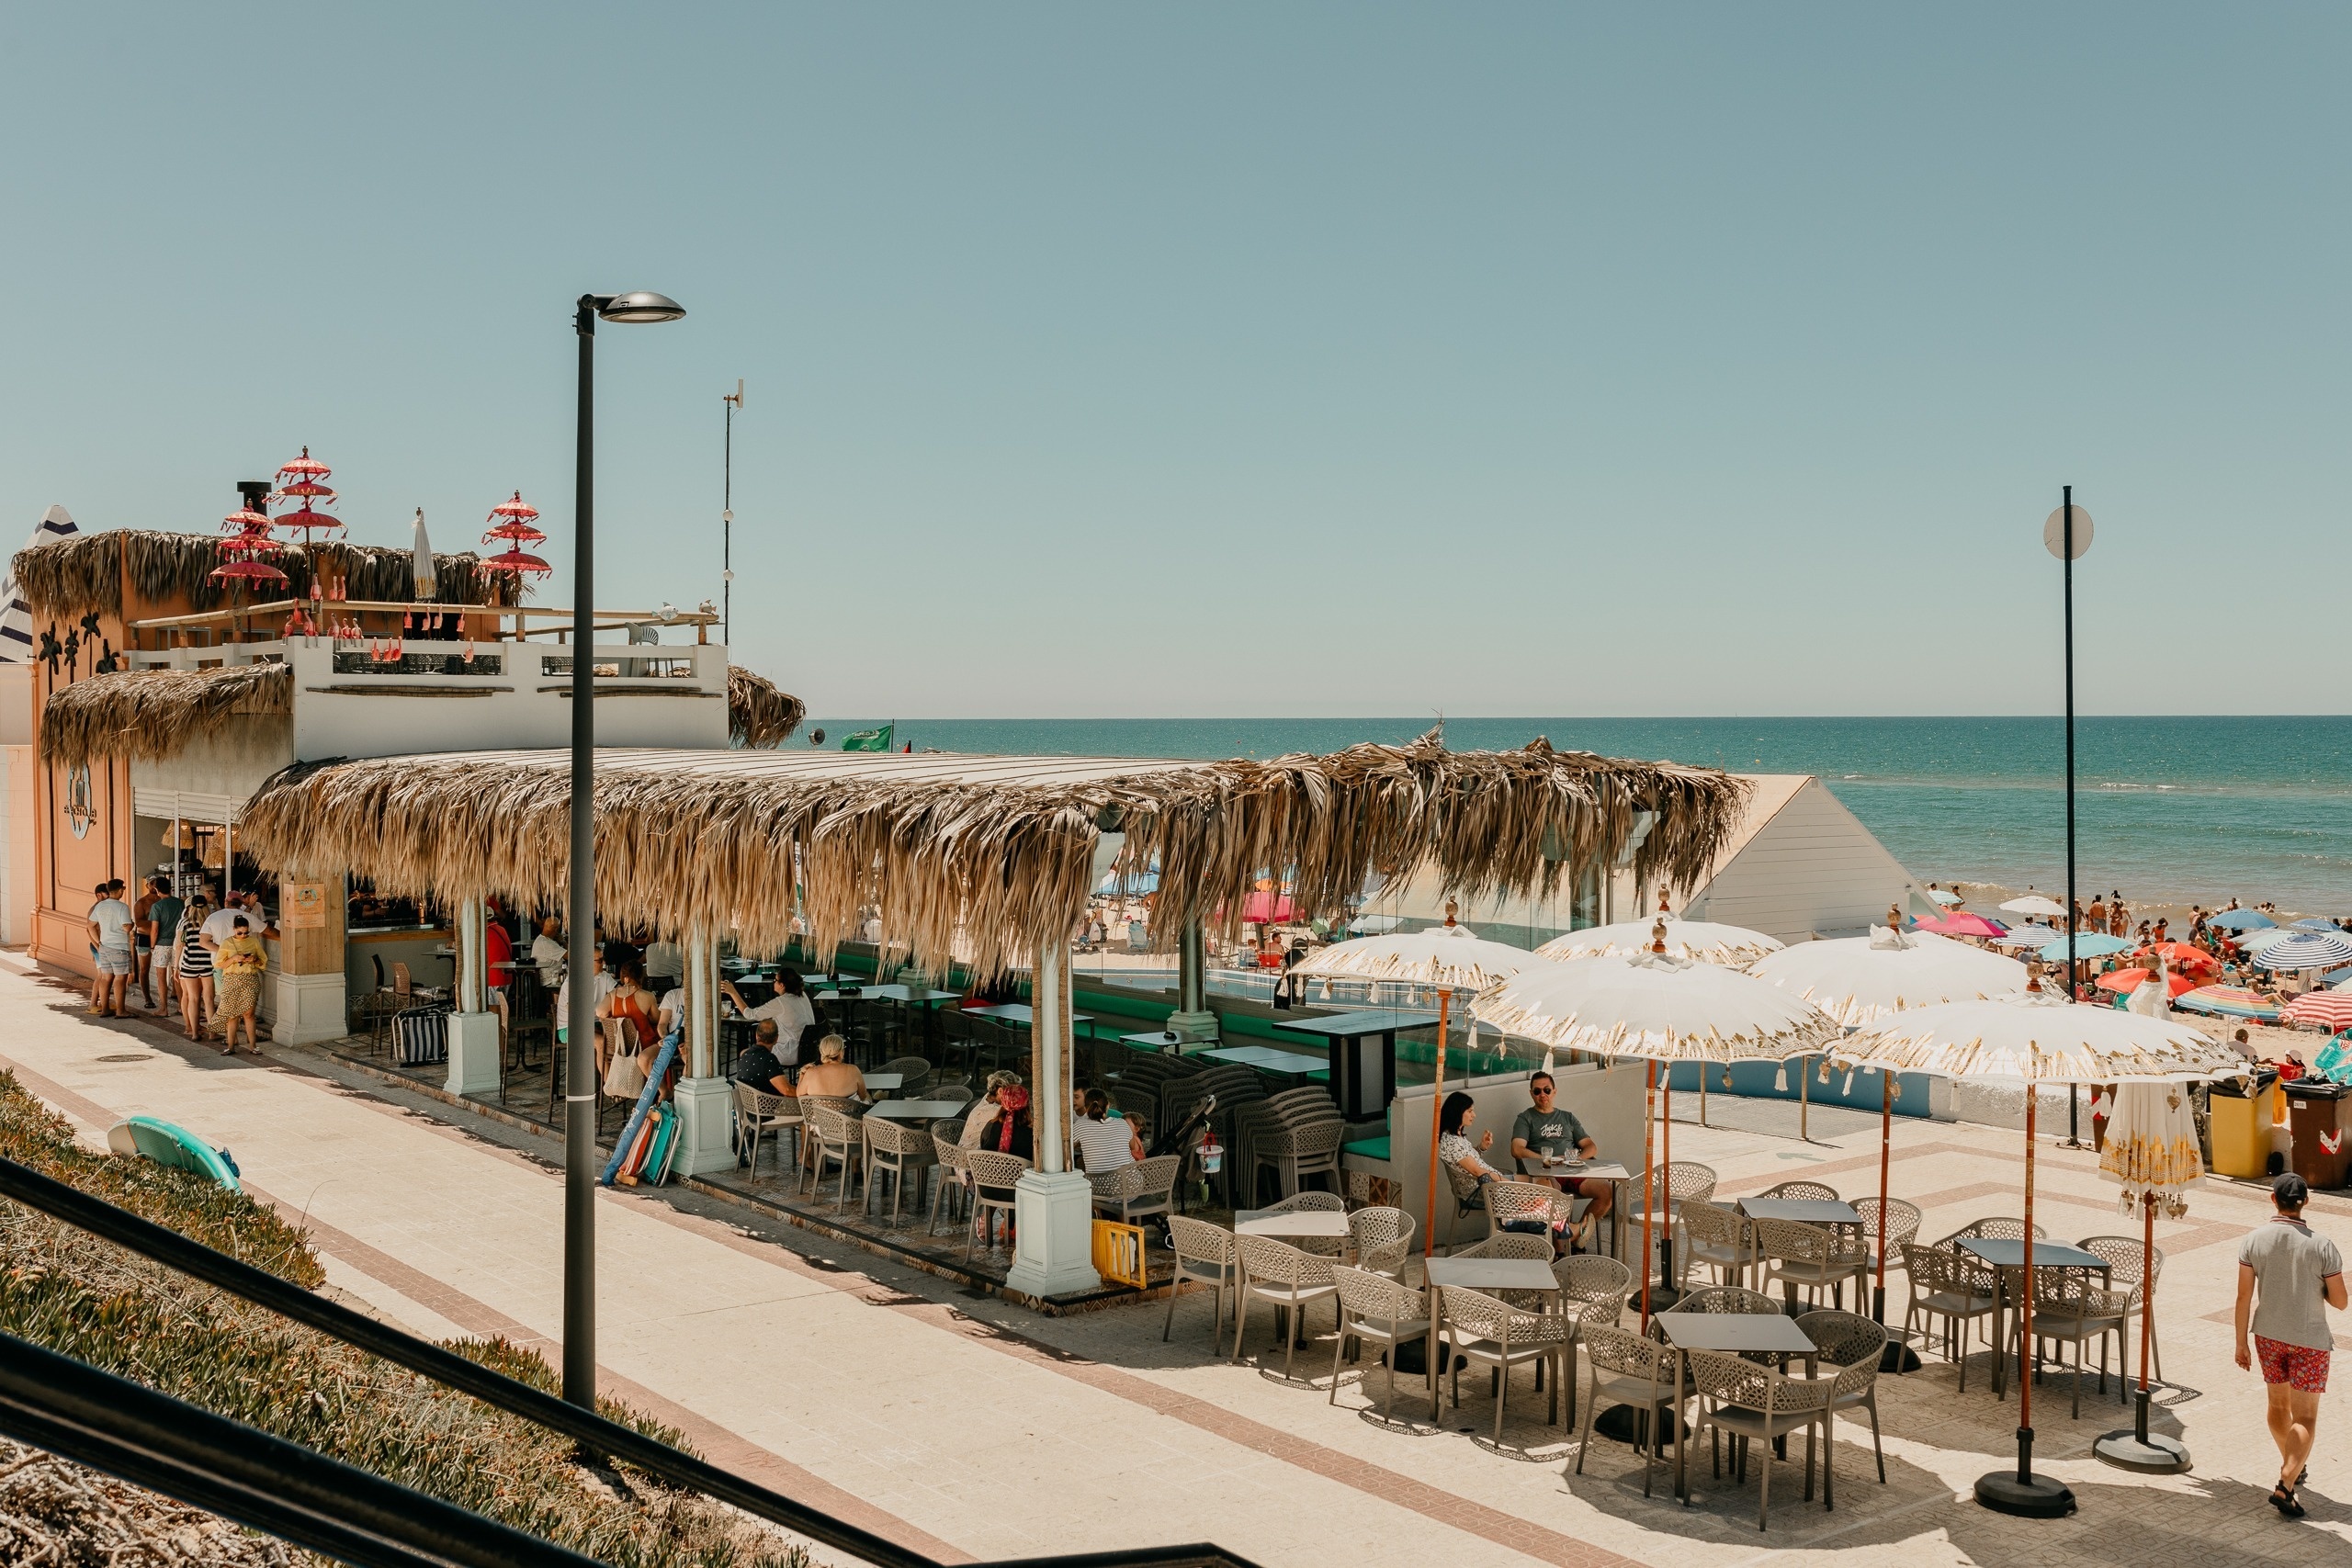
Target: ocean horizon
column 2169, row 809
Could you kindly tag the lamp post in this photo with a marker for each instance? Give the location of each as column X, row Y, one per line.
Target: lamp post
column 580, row 1021
column 734, row 402
column 2067, row 535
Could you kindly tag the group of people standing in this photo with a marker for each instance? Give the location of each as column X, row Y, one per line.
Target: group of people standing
column 209, row 960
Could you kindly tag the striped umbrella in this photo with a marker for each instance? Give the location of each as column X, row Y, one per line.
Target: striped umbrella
column 2227, row 1001
column 2321, row 1010
column 2307, row 950
column 16, row 616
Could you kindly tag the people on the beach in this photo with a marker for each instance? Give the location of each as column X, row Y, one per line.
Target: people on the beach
column 2288, row 1275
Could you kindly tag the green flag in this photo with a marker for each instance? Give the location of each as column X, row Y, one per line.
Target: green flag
column 870, row 740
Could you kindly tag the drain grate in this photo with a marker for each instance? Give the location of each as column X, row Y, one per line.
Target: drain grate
column 133, row 1056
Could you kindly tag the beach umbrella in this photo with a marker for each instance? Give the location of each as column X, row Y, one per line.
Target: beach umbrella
column 1961, row 922
column 1656, row 1007
column 2305, row 950
column 423, row 574
column 1133, row 883
column 2151, row 1153
column 2180, row 955
column 2035, row 1038
column 1941, row 896
column 1858, row 980
column 2240, row 920
column 2123, row 980
column 2035, row 904
column 1374, row 925
column 2228, row 1001
column 2320, row 1009
column 2087, row 944
column 2027, row 936
column 2256, row 941
column 1702, row 941
column 1448, row 958
column 2317, row 923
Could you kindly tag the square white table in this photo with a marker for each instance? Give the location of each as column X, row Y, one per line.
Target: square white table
column 1291, row 1225
column 915, row 1109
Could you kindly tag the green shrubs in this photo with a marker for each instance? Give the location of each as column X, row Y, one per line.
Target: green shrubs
column 89, row 1299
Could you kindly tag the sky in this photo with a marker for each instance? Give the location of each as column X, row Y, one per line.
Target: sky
column 1242, row 360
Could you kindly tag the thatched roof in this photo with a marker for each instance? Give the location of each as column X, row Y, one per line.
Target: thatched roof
column 757, row 714
column 73, row 577
column 977, row 858
column 155, row 713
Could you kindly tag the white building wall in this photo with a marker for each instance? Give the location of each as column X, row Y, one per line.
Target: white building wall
column 16, row 854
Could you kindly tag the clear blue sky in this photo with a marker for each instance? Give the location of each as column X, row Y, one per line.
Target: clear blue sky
column 1242, row 359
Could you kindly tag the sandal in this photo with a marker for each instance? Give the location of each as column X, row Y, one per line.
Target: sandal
column 2282, row 1498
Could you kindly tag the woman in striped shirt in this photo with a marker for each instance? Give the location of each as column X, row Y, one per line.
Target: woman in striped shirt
column 193, row 966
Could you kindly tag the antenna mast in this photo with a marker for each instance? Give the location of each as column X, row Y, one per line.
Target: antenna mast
column 734, row 402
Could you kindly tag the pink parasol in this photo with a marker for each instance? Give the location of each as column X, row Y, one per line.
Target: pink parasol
column 518, row 562
column 304, row 468
column 1959, row 923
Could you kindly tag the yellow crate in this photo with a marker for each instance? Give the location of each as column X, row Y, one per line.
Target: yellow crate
column 1119, row 1255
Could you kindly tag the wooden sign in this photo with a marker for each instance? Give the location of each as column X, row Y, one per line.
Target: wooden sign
column 302, row 905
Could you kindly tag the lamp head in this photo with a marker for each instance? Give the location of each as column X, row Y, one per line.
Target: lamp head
column 641, row 306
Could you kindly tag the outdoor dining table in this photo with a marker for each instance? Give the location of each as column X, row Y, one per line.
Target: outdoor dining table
column 1290, row 1225
column 915, row 1109
column 885, row 1082
column 1490, row 1275
column 1732, row 1333
column 1021, row 1014
column 1270, row 1059
column 1612, row 1172
column 2006, row 1255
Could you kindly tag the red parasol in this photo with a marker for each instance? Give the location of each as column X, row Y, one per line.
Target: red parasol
column 2132, row 980
column 306, row 520
column 2180, row 955
column 510, row 520
column 517, row 561
column 304, row 468
column 253, row 523
column 249, row 570
column 516, row 510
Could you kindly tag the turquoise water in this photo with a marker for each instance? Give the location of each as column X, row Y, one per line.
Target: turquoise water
column 2169, row 809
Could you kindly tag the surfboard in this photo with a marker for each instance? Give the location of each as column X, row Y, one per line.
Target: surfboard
column 151, row 1138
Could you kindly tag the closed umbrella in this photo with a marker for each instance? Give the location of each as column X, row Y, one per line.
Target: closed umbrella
column 1449, row 958
column 2035, row 904
column 1701, row 941
column 2037, row 1039
column 2151, row 1153
column 423, row 573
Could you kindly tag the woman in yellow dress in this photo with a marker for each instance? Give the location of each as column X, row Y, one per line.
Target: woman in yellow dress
column 240, row 962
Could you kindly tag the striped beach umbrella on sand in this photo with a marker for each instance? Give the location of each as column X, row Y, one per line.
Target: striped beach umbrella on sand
column 2306, row 950
column 16, row 616
column 2321, row 1010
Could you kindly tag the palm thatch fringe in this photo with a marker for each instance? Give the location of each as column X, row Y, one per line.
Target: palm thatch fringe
column 72, row 577
column 155, row 713
column 981, row 873
column 758, row 715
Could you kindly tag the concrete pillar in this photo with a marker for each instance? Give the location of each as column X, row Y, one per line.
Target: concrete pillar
column 1053, row 1205
column 1192, row 1022
column 474, row 1051
column 310, row 1000
column 706, row 1104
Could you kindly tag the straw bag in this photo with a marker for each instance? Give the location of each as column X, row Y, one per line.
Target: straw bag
column 625, row 1077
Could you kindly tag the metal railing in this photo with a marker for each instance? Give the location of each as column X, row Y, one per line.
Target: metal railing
column 205, row 1459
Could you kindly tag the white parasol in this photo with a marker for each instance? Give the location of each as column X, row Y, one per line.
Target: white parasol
column 1449, row 958
column 2038, row 1038
column 1702, row 941
column 2035, row 904
column 1659, row 1008
column 2151, row 1154
column 1858, row 980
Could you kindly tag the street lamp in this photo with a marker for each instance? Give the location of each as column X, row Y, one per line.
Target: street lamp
column 580, row 1021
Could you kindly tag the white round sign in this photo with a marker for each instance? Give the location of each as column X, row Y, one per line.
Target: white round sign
column 2054, row 533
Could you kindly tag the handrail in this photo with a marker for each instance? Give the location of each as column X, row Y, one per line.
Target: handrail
column 591, row 1432
column 169, row 1446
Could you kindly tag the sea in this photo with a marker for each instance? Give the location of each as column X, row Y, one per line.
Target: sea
column 2169, row 810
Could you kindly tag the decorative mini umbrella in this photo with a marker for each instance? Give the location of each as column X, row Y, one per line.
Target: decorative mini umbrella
column 2037, row 1039
column 2228, row 1001
column 2320, row 1009
column 1657, row 1008
column 2035, row 904
column 1449, row 958
column 511, row 523
column 1702, row 941
column 2305, row 950
column 248, row 539
column 1961, row 922
column 2152, row 1153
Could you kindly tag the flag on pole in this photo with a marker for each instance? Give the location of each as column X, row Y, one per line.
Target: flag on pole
column 870, row 740
column 16, row 616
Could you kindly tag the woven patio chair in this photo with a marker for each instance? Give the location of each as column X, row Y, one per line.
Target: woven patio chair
column 954, row 1184
column 2070, row 1307
column 1204, row 1255
column 994, row 1173
column 1291, row 1279
column 1749, row 1402
column 914, row 1072
column 759, row 1113
column 1482, row 1328
column 1590, row 1278
column 1848, row 1347
column 1522, row 1204
column 1687, row 1181
column 1627, row 1368
column 847, row 1105
column 2000, row 1227
column 1798, row 1257
column 2121, row 1253
column 1312, row 1203
column 836, row 1138
column 1903, row 1225
column 1373, row 1306
column 1297, row 1150
column 1717, row 1235
column 904, row 1150
column 1802, row 1192
column 1943, row 1287
column 1382, row 1239
column 1138, row 1188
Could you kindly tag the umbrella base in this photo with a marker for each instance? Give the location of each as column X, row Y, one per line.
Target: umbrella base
column 2152, row 1455
column 1898, row 1359
column 1625, row 1423
column 2035, row 1498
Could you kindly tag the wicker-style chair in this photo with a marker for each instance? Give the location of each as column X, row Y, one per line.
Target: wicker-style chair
column 2122, row 1254
column 2000, row 1227
column 1297, row 1150
column 1944, row 1287
column 1902, row 1223
column 1138, row 1188
column 836, row 1138
column 1720, row 1237
column 846, row 1104
column 954, row 1171
column 1802, row 1192
column 757, row 1114
column 1521, row 1203
column 1481, row 1328
column 1204, row 1255
column 2070, row 1307
column 1728, row 1298
column 994, row 1173
column 1511, row 1244
column 1279, row 1273
column 901, row 1149
column 1590, row 1277
column 1628, row 1369
column 1312, row 1203
column 1752, row 1402
column 1687, row 1181
column 1373, row 1306
column 1799, row 1258
column 1382, row 1239
column 914, row 1074
column 1848, row 1347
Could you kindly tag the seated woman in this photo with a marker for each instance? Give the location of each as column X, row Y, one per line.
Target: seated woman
column 1104, row 1142
column 1469, row 1173
column 831, row 1078
column 629, row 1000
